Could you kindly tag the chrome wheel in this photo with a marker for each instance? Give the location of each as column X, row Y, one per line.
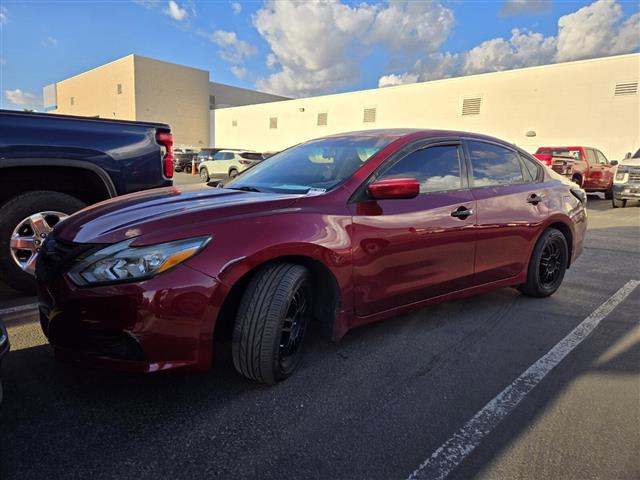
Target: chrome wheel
column 28, row 236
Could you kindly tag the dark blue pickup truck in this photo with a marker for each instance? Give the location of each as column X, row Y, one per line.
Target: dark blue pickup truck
column 52, row 165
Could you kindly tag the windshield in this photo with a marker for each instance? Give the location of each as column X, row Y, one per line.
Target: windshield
column 320, row 164
column 562, row 152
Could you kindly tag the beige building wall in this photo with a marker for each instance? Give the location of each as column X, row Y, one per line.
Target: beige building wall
column 95, row 92
column 174, row 94
column 564, row 104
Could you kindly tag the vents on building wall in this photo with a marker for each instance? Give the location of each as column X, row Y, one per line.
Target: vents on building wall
column 471, row 106
column 234, row 123
column 369, row 115
column 322, row 119
column 119, row 89
column 627, row 88
column 273, row 122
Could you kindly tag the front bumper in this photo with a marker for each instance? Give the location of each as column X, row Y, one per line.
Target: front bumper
column 163, row 323
column 626, row 191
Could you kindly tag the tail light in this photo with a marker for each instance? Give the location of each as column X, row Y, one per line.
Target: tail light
column 165, row 140
column 244, row 162
column 545, row 158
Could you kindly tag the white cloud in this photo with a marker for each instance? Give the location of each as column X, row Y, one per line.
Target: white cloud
column 525, row 7
column 23, row 99
column 233, row 50
column 236, row 7
column 4, row 15
column 175, row 11
column 238, row 72
column 595, row 30
column 318, row 46
column 49, row 42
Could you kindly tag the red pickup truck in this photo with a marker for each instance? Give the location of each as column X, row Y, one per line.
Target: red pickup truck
column 586, row 166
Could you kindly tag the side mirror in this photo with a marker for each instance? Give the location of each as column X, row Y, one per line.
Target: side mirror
column 614, row 162
column 394, row 188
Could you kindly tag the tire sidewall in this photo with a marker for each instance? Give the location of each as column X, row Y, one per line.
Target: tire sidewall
column 204, row 174
column 13, row 212
column 534, row 285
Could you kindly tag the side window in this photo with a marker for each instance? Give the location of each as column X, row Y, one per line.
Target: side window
column 591, row 157
column 436, row 168
column 494, row 165
column 602, row 160
column 203, row 156
column 531, row 167
column 220, row 156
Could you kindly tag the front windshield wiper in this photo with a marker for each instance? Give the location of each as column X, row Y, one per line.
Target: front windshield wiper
column 245, row 189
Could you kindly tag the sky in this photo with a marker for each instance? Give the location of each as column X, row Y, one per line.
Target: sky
column 299, row 49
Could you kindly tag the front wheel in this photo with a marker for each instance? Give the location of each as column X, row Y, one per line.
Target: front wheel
column 608, row 194
column 615, row 203
column 547, row 264
column 271, row 323
column 204, row 174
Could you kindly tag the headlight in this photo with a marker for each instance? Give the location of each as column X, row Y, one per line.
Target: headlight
column 621, row 173
column 122, row 263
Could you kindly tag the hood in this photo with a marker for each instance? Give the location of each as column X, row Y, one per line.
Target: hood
column 165, row 214
column 630, row 162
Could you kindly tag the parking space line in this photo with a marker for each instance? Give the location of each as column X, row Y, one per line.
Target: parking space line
column 451, row 453
column 18, row 308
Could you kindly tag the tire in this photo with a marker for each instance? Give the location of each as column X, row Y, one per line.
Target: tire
column 539, row 284
column 264, row 348
column 615, row 203
column 577, row 179
column 608, row 194
column 14, row 211
column 204, row 174
column 233, row 173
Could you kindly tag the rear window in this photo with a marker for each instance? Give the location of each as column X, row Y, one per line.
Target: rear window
column 251, row 156
column 562, row 152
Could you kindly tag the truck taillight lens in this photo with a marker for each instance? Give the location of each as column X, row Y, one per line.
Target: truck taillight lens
column 165, row 139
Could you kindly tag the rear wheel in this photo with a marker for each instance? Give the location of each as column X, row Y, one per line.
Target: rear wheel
column 577, row 179
column 204, row 174
column 271, row 323
column 547, row 264
column 615, row 203
column 25, row 222
column 233, row 173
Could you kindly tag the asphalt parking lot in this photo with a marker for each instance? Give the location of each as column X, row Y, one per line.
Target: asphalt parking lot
column 384, row 401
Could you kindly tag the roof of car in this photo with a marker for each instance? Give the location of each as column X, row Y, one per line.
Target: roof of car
column 417, row 132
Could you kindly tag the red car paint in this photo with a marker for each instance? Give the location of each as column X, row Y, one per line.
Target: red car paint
column 382, row 257
column 586, row 166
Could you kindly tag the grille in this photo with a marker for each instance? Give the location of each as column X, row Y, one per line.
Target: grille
column 369, row 115
column 57, row 256
column 471, row 106
column 634, row 177
column 629, row 88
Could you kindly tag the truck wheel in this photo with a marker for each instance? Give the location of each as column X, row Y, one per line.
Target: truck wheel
column 271, row 323
column 233, row 173
column 547, row 264
column 577, row 179
column 615, row 203
column 204, row 174
column 608, row 194
column 26, row 221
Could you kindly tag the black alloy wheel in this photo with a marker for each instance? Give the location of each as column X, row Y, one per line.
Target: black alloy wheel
column 547, row 265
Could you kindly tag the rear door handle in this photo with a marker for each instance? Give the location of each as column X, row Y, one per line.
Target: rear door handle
column 535, row 198
column 462, row 213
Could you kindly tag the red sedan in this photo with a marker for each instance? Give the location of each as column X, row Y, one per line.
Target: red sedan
column 344, row 230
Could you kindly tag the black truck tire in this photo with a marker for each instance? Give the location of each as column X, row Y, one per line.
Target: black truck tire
column 14, row 212
column 271, row 323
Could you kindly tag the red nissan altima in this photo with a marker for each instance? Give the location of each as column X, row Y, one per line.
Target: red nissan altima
column 344, row 230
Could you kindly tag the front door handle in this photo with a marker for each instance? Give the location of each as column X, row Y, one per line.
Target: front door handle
column 462, row 213
column 535, row 199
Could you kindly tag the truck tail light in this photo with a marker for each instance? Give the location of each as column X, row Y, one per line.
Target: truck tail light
column 545, row 158
column 244, row 162
column 165, row 140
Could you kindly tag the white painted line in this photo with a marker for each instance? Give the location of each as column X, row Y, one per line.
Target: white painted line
column 18, row 308
column 446, row 458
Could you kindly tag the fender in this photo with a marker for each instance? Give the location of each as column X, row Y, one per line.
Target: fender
column 58, row 162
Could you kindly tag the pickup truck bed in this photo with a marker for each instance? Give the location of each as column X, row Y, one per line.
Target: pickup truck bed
column 52, row 165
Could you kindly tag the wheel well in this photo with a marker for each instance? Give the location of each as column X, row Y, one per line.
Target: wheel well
column 326, row 298
column 77, row 182
column 568, row 236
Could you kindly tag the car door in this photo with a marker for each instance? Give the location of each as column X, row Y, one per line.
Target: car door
column 407, row 250
column 221, row 162
column 593, row 178
column 606, row 176
column 511, row 205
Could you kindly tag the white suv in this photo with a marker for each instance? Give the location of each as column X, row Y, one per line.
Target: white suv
column 227, row 163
